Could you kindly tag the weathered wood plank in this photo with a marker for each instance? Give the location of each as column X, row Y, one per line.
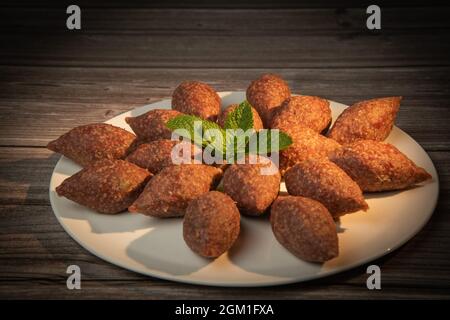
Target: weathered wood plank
column 39, row 104
column 217, row 51
column 153, row 290
column 240, row 22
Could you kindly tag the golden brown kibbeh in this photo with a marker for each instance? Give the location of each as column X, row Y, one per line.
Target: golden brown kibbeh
column 366, row 120
column 305, row 228
column 156, row 155
column 251, row 188
column 306, row 143
column 107, row 186
column 151, row 125
column 378, row 166
column 267, row 93
column 308, row 111
column 257, row 122
column 89, row 143
column 168, row 193
column 322, row 180
column 196, row 98
column 211, row 224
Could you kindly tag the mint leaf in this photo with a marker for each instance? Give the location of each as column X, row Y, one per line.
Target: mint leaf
column 194, row 128
column 240, row 118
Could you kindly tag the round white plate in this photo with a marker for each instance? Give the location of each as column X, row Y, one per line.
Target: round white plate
column 155, row 247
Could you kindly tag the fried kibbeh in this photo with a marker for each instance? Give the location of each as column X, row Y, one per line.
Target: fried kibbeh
column 168, row 193
column 322, row 180
column 156, row 155
column 107, row 186
column 305, row 228
column 211, row 224
column 366, row 120
column 267, row 93
column 253, row 189
column 257, row 122
column 378, row 166
column 308, row 111
column 306, row 143
column 198, row 99
column 151, row 125
column 92, row 142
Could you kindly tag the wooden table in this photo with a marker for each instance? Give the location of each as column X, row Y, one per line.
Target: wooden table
column 125, row 56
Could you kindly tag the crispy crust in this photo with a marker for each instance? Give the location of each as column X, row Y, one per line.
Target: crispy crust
column 322, row 180
column 305, row 228
column 156, row 155
column 211, row 224
column 252, row 191
column 257, row 122
column 366, row 120
column 307, row 111
column 267, row 93
column 306, row 144
column 378, row 166
column 169, row 192
column 151, row 125
column 89, row 143
column 107, row 186
column 196, row 98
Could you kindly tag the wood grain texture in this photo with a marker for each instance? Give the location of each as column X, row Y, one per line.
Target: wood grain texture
column 178, row 21
column 43, row 103
column 108, row 50
column 129, row 54
column 225, row 38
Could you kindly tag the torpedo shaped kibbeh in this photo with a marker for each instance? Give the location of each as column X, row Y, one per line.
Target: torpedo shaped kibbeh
column 107, row 186
column 322, row 180
column 251, row 186
column 211, row 224
column 267, row 93
column 306, row 143
column 308, row 111
column 151, row 125
column 378, row 166
column 305, row 228
column 168, row 193
column 198, row 99
column 156, row 155
column 257, row 122
column 366, row 120
column 89, row 143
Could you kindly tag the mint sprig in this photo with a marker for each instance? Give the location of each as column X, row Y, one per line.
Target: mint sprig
column 194, row 128
column 188, row 126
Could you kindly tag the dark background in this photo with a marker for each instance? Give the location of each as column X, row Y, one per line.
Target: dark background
column 131, row 54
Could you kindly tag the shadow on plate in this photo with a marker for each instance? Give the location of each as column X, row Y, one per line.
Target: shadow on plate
column 104, row 223
column 257, row 251
column 171, row 255
column 388, row 194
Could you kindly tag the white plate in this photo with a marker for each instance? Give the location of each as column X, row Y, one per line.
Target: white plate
column 155, row 247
